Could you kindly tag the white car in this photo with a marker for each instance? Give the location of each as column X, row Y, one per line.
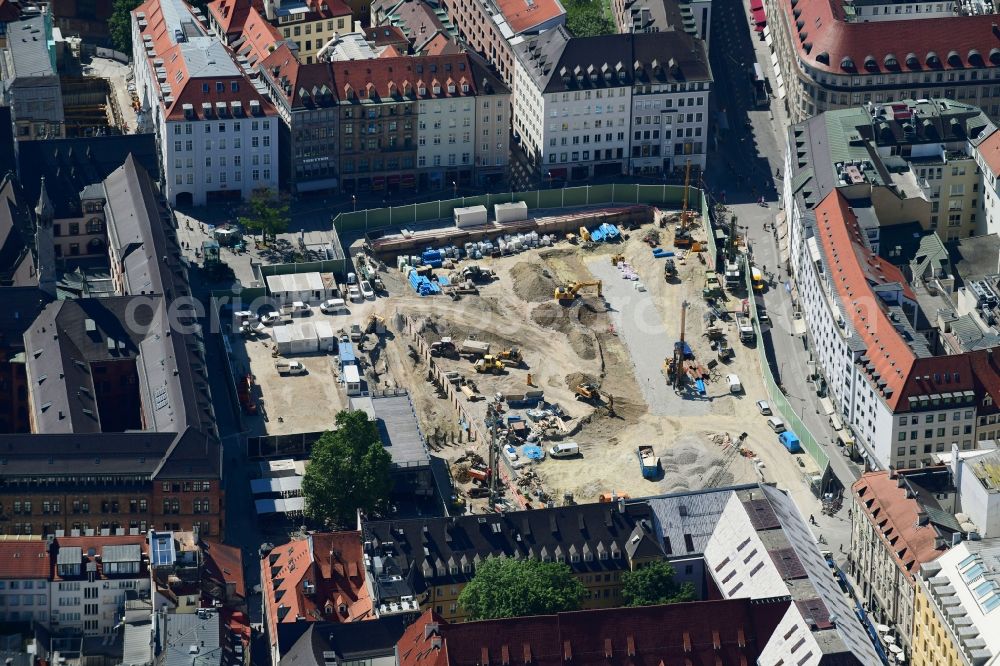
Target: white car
column 367, row 291
column 510, row 452
column 763, row 408
column 332, row 305
column 354, row 294
column 270, row 318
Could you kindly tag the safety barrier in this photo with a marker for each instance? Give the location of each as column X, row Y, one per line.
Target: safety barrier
column 779, row 403
column 563, row 197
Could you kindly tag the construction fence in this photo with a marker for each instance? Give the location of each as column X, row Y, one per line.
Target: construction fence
column 780, row 404
column 564, row 197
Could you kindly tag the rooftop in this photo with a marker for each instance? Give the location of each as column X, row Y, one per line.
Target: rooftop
column 317, row 578
column 400, row 431
column 557, row 61
column 705, row 632
column 909, row 519
column 987, row 469
column 191, row 639
column 24, row 558
column 828, row 43
column 523, row 16
column 28, row 53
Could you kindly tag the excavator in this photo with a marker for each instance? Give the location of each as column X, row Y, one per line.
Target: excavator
column 570, row 293
column 511, row 355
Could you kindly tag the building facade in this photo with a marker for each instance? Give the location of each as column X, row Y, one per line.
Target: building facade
column 218, row 134
column 310, row 25
column 825, row 61
column 611, row 105
column 957, row 595
column 24, row 581
column 893, row 534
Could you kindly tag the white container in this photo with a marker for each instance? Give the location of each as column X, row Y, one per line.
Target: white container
column 510, row 212
column 470, row 216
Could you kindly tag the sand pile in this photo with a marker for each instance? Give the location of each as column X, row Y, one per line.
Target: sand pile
column 566, row 320
column 532, row 282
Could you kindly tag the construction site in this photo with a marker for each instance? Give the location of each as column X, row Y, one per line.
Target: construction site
column 555, row 367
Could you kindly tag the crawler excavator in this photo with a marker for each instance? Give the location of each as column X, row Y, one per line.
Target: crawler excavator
column 569, row 294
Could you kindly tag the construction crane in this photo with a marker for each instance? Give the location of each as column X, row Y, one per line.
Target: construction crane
column 570, row 293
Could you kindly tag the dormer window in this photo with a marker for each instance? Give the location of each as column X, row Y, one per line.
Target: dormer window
column 437, row 89
column 465, row 88
column 451, row 88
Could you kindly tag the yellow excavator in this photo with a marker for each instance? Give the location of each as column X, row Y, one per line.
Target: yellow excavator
column 571, row 292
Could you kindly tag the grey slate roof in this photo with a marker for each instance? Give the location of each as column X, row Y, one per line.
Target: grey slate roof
column 70, row 165
column 558, row 62
column 16, row 236
column 121, row 553
column 70, row 555
column 21, row 306
column 441, row 550
column 190, row 639
column 400, row 432
column 27, row 49
column 352, row 641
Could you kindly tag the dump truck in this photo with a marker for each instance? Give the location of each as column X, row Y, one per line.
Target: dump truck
column 732, row 275
column 475, row 348
column 649, row 462
column 712, row 289
column 746, row 328
column 489, row 363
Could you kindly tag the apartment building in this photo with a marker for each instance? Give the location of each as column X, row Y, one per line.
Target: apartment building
column 310, row 24
column 610, row 105
column 24, row 580
column 489, row 26
column 826, row 57
column 317, row 579
column 425, row 25
column 911, row 387
column 29, row 82
column 956, row 596
column 901, row 520
column 899, row 10
column 92, row 578
column 217, row 131
column 306, row 99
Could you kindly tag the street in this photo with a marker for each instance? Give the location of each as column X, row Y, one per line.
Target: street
column 744, row 168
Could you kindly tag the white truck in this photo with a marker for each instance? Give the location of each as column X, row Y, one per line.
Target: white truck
column 285, row 368
column 746, row 328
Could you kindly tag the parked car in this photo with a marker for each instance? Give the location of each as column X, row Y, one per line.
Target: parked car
column 367, row 291
column 352, row 278
column 270, row 318
column 333, row 305
column 354, row 294
column 776, row 424
column 510, row 452
column 734, row 384
column 763, row 408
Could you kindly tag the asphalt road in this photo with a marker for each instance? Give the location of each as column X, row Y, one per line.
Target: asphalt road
column 743, row 169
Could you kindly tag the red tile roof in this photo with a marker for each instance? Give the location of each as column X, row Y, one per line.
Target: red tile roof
column 24, row 558
column 854, row 268
column 333, row 563
column 224, row 564
column 315, row 79
column 231, row 15
column 932, row 44
column 384, row 35
column 259, row 38
column 990, row 150
column 522, row 15
column 405, row 76
column 885, row 504
column 701, row 632
column 188, row 87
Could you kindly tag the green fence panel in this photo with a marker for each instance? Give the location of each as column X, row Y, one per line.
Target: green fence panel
column 779, row 403
column 706, row 222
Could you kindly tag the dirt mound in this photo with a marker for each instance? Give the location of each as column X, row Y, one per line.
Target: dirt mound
column 532, row 282
column 574, row 379
column 566, row 320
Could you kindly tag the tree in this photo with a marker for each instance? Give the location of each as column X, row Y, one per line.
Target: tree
column 348, row 471
column 266, row 213
column 507, row 587
column 654, row 584
column 120, row 24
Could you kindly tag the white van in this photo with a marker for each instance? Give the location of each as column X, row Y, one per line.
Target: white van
column 776, row 424
column 564, row 450
column 734, row 384
column 333, row 306
column 300, row 309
